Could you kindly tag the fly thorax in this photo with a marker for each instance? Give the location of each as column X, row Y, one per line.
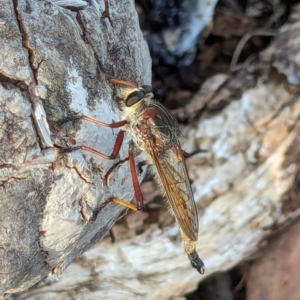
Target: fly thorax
column 157, row 125
column 134, row 117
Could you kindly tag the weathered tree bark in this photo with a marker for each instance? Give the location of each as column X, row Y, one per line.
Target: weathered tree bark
column 49, row 63
column 246, row 185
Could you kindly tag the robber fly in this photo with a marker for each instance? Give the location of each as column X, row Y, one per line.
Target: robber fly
column 155, row 132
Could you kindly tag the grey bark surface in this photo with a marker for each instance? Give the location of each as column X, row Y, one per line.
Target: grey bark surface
column 49, row 63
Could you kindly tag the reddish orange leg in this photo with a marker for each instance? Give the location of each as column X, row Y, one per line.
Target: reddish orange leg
column 124, row 203
column 121, row 82
column 115, row 200
column 115, row 152
column 136, row 185
column 137, row 191
column 93, row 120
column 119, row 140
column 135, row 180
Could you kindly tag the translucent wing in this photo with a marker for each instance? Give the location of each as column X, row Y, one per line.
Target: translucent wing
column 173, row 175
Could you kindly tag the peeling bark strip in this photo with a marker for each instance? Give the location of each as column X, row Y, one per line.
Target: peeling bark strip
column 49, row 68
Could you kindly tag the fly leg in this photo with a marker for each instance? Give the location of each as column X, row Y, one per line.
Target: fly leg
column 114, row 80
column 136, row 184
column 92, row 120
column 118, row 143
column 190, row 249
column 114, row 154
column 137, row 190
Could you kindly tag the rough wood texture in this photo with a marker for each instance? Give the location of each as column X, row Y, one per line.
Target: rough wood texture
column 246, row 185
column 48, row 67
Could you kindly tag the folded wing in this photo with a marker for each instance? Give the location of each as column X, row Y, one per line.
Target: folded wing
column 173, row 175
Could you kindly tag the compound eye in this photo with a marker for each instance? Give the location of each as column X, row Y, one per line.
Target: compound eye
column 134, row 98
column 146, row 88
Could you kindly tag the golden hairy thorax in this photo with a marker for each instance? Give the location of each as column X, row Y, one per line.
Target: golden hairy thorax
column 149, row 121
